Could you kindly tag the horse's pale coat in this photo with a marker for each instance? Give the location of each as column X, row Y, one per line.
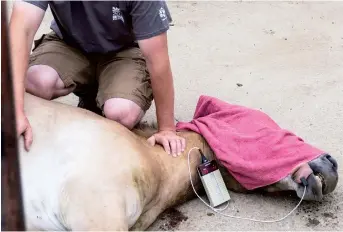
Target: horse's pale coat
column 85, row 172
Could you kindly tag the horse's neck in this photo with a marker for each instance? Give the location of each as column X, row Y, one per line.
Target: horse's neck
column 176, row 171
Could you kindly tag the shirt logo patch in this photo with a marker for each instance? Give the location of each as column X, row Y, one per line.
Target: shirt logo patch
column 117, row 14
column 162, row 14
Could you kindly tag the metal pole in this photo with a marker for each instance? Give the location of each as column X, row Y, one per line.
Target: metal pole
column 12, row 218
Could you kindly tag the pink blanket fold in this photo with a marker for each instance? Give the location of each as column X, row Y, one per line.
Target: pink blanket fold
column 253, row 148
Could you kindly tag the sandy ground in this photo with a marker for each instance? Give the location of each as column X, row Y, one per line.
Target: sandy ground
column 288, row 58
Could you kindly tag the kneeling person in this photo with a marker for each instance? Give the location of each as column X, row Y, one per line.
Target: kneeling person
column 113, row 55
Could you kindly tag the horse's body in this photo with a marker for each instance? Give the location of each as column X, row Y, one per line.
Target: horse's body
column 85, row 172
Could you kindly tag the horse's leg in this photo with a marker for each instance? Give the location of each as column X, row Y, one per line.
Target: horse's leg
column 85, row 207
column 147, row 218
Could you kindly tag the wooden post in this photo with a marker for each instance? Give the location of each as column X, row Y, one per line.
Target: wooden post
column 12, row 215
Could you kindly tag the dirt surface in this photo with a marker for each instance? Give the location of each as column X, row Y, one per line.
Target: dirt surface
column 171, row 219
column 285, row 58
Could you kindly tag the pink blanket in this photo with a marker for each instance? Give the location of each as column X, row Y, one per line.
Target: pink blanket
column 253, row 148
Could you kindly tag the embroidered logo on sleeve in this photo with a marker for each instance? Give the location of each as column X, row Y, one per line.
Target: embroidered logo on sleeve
column 117, row 14
column 162, row 14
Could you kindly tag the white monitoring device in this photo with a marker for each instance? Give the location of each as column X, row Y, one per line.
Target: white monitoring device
column 217, row 192
column 213, row 182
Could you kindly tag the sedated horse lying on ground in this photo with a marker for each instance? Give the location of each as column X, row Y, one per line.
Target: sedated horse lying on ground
column 85, row 172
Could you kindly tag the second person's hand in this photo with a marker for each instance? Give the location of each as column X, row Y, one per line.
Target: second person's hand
column 24, row 129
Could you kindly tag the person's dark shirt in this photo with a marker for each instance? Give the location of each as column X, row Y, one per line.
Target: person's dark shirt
column 106, row 26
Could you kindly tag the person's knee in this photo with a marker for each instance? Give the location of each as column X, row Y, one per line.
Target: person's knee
column 44, row 81
column 123, row 111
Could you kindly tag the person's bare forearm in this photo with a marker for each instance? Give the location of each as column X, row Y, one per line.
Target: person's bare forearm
column 156, row 54
column 20, row 47
column 163, row 90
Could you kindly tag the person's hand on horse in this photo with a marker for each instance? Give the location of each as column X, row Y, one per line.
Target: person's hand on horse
column 172, row 143
column 24, row 128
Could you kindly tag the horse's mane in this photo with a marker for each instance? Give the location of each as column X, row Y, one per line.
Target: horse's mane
column 145, row 129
